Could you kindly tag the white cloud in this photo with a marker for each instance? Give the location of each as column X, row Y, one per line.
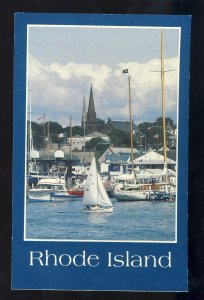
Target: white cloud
column 58, row 90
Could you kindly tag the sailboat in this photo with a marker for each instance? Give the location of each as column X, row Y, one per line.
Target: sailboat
column 133, row 191
column 95, row 197
column 165, row 192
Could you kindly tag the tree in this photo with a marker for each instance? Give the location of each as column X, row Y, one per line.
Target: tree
column 120, row 138
column 167, row 120
column 54, row 130
column 76, row 130
column 40, row 133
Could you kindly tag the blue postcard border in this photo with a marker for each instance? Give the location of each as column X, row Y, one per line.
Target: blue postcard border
column 87, row 278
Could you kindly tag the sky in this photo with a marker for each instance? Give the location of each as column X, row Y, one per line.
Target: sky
column 64, row 61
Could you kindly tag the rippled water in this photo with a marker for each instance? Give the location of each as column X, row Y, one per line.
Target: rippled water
column 138, row 221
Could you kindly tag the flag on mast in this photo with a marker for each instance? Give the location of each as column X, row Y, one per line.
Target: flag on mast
column 42, row 118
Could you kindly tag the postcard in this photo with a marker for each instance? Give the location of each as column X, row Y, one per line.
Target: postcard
column 100, row 154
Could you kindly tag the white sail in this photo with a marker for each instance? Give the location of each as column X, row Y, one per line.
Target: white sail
column 91, row 189
column 94, row 191
column 103, row 198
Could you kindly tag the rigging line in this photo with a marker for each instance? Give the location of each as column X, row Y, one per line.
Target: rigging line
column 165, row 71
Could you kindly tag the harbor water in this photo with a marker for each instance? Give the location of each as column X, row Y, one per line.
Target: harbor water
column 132, row 221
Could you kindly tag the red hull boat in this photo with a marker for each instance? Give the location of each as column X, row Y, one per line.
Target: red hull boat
column 76, row 193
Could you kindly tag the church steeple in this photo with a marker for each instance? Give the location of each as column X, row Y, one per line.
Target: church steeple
column 91, row 108
column 91, row 114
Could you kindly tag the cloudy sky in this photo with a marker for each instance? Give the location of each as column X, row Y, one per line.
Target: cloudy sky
column 63, row 63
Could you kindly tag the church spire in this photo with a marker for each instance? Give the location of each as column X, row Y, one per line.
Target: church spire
column 91, row 102
column 91, row 114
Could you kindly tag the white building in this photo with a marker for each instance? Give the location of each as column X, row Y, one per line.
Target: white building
column 112, row 159
column 78, row 140
column 153, row 160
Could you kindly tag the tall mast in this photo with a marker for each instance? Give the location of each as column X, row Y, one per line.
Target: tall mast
column 163, row 106
column 84, row 124
column 30, row 128
column 70, row 137
column 130, row 109
column 48, row 136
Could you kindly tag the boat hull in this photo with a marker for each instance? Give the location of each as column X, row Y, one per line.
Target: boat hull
column 99, row 210
column 76, row 193
column 131, row 196
column 46, row 196
column 163, row 196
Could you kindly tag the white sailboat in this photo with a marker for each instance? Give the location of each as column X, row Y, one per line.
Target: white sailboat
column 95, row 197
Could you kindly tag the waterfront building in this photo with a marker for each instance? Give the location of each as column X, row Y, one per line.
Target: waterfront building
column 112, row 159
column 154, row 160
column 117, row 150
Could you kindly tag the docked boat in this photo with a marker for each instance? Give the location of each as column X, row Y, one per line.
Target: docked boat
column 74, row 184
column 95, row 196
column 162, row 196
column 131, row 192
column 76, row 192
column 47, row 190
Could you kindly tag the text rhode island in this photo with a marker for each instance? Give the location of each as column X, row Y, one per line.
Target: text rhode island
column 112, row 260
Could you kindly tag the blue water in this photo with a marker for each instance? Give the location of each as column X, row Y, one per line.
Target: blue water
column 137, row 221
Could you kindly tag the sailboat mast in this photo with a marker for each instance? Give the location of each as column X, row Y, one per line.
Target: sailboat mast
column 163, row 104
column 48, row 135
column 130, row 110
column 84, row 121
column 70, row 137
column 30, row 128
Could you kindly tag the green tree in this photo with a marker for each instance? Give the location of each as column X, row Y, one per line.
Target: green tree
column 167, row 119
column 54, row 130
column 76, row 130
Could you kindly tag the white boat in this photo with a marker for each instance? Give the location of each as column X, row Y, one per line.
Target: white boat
column 47, row 190
column 131, row 192
column 95, row 197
